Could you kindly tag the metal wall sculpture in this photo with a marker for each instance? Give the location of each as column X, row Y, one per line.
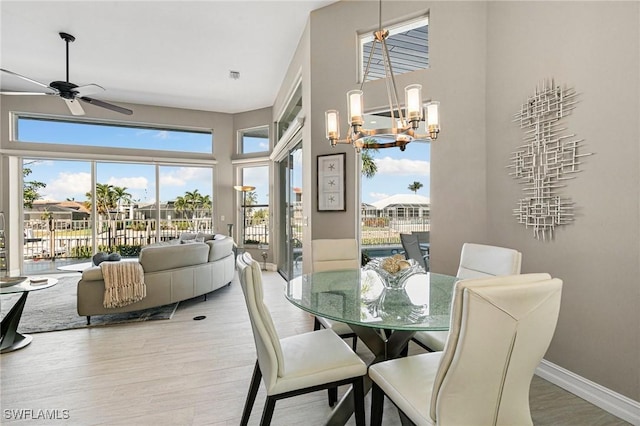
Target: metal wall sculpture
column 547, row 158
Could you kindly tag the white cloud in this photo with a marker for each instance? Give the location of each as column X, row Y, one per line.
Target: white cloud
column 402, row 167
column 67, row 185
column 378, row 195
column 162, row 134
column 186, row 176
column 139, row 182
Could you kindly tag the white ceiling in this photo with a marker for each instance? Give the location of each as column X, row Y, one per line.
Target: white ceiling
column 168, row 53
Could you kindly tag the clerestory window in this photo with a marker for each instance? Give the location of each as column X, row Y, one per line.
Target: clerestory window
column 408, row 45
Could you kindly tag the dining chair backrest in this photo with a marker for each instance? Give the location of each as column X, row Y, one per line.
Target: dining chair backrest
column 412, row 249
column 265, row 335
column 479, row 261
column 334, row 254
column 423, row 236
column 510, row 321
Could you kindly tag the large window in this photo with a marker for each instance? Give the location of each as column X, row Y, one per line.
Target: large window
column 395, row 191
column 117, row 202
column 133, row 208
column 186, row 199
column 254, row 205
column 408, row 49
column 61, row 131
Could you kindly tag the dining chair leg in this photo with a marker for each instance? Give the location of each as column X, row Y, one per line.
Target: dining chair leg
column 333, row 396
column 377, row 405
column 267, row 414
column 358, row 395
column 404, row 420
column 251, row 396
column 316, row 324
column 354, row 345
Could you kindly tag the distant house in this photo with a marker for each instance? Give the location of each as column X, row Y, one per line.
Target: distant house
column 60, row 211
column 398, row 206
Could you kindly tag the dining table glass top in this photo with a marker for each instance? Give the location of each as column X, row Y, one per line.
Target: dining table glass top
column 358, row 297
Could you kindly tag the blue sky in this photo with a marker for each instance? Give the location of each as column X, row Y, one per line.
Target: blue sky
column 72, row 179
column 397, row 170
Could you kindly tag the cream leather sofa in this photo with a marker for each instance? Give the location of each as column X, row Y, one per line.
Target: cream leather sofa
column 172, row 272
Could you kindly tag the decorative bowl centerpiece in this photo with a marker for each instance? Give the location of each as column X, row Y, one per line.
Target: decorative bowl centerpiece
column 394, row 270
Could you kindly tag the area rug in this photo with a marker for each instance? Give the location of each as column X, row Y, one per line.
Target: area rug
column 54, row 309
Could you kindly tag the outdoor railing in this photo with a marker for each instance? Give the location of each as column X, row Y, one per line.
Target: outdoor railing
column 73, row 239
column 385, row 231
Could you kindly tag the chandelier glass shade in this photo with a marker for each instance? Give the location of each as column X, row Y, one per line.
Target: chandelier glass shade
column 406, row 125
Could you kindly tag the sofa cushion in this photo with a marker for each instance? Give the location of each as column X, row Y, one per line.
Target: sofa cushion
column 220, row 248
column 162, row 258
column 187, row 236
column 205, row 236
column 165, row 243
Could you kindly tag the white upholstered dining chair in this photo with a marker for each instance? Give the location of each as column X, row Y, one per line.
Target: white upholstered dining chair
column 334, row 254
column 510, row 321
column 297, row 364
column 476, row 261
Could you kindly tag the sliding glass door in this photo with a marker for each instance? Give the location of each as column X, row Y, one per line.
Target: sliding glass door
column 290, row 223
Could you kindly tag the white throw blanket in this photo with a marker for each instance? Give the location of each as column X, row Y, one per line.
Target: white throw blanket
column 123, row 283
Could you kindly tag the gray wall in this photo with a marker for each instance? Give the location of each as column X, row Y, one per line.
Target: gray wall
column 593, row 47
column 486, row 58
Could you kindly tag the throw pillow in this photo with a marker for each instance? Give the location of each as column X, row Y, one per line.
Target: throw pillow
column 100, row 257
column 114, row 257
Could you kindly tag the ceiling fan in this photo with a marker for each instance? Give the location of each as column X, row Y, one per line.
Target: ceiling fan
column 68, row 91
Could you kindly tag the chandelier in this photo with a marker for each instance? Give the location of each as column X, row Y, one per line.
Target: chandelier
column 405, row 125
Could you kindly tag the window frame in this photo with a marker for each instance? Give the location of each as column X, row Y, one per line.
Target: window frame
column 166, row 155
column 406, row 25
column 240, row 141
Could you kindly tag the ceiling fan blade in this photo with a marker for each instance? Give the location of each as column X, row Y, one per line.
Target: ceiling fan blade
column 74, row 107
column 88, row 89
column 106, row 105
column 27, row 93
column 26, row 78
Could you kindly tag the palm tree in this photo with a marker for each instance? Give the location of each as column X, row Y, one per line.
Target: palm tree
column 180, row 205
column 120, row 195
column 205, row 203
column 192, row 201
column 369, row 166
column 415, row 186
column 105, row 201
column 251, row 198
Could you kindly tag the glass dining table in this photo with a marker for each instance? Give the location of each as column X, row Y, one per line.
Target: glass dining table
column 383, row 318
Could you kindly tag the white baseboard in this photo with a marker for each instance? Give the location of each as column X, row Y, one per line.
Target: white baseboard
column 610, row 401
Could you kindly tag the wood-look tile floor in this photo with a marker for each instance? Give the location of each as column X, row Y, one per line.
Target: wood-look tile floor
column 186, row 372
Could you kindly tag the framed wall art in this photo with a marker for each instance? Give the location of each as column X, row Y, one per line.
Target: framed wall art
column 331, row 183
